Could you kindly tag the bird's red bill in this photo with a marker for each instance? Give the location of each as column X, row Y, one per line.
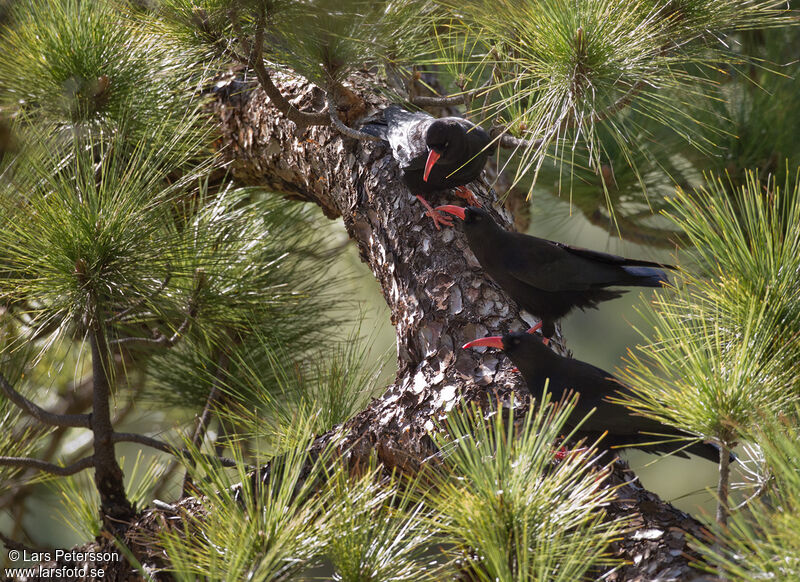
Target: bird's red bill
column 494, row 341
column 452, row 209
column 433, row 156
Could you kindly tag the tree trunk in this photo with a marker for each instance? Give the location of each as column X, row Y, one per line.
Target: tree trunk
column 438, row 296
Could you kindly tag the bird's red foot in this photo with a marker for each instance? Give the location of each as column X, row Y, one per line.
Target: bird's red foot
column 466, row 194
column 437, row 217
column 537, row 327
column 563, row 452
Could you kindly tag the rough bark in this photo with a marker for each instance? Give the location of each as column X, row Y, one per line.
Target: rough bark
column 438, row 296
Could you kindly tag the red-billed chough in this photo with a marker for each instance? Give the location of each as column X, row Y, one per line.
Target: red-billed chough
column 537, row 363
column 549, row 278
column 434, row 154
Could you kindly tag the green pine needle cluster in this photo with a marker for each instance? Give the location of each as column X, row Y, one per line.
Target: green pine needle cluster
column 87, row 63
column 723, row 345
column 581, row 80
column 761, row 542
column 265, row 529
column 499, row 504
column 511, row 511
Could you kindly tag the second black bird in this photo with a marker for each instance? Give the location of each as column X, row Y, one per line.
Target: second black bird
column 549, row 278
column 537, row 363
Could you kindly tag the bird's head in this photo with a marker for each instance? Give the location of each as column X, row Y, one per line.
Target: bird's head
column 439, row 138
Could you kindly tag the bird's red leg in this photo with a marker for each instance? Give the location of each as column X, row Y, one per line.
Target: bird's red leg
column 438, row 217
column 537, row 327
column 466, row 194
column 562, row 453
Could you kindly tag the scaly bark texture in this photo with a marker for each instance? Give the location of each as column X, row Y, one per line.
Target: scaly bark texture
column 438, row 296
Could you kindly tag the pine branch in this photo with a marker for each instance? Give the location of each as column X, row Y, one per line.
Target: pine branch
column 39, row 413
column 130, row 437
column 159, row 339
column 27, row 463
column 463, row 98
column 341, row 127
column 433, row 101
column 256, row 60
column 723, row 484
column 205, row 416
column 114, row 504
column 12, row 544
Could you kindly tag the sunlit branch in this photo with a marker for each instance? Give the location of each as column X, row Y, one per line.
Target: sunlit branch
column 341, row 127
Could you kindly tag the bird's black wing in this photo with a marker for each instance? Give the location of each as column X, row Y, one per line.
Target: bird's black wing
column 546, row 265
column 610, row 259
column 596, row 387
column 552, row 266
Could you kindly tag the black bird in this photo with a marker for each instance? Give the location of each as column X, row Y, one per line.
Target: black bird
column 549, row 278
column 536, row 362
column 434, row 154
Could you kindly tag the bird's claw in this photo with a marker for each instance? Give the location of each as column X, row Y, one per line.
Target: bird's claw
column 466, row 194
column 439, row 218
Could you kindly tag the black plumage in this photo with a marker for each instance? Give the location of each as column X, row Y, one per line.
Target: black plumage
column 537, row 363
column 549, row 278
column 433, row 154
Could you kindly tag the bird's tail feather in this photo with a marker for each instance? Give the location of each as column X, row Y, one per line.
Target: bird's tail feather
column 647, row 276
column 708, row 451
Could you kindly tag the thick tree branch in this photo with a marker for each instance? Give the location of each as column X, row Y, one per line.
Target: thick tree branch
column 39, row 413
column 26, row 463
column 438, row 296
